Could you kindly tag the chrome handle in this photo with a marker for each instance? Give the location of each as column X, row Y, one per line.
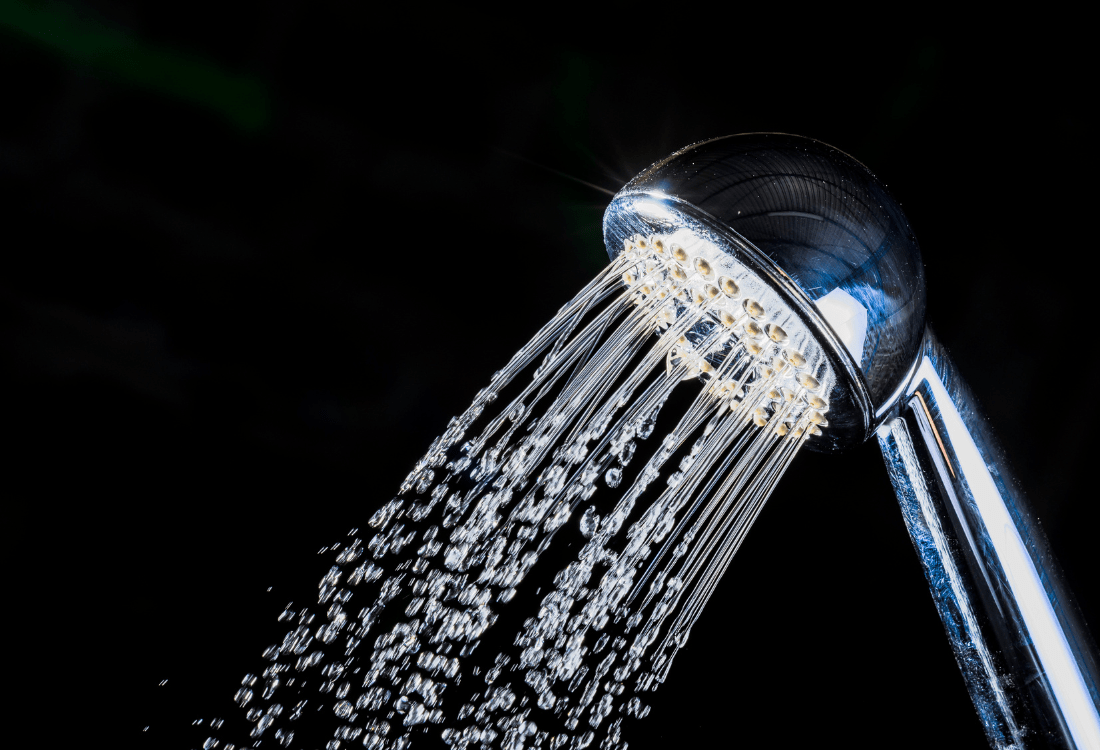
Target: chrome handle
column 1024, row 652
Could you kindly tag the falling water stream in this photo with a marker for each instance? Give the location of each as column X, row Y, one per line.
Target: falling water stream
column 531, row 582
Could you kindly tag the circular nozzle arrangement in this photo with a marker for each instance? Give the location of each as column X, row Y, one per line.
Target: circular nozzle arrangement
column 730, row 331
column 816, row 230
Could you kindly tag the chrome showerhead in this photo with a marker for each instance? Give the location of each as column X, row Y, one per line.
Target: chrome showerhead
column 822, row 232
column 814, row 247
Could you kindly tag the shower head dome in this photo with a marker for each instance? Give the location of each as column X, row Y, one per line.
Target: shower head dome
column 818, row 228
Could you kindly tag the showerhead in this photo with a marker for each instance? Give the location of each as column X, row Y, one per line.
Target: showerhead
column 809, row 245
column 817, row 229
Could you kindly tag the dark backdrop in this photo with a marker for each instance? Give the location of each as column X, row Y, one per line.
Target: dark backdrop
column 254, row 259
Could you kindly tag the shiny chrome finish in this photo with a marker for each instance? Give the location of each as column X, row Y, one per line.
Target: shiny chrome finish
column 825, row 234
column 1026, row 657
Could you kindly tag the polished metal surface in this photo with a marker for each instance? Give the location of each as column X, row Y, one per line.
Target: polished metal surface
column 824, row 232
column 1016, row 634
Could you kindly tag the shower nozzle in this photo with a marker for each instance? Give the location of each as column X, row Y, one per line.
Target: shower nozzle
column 816, row 248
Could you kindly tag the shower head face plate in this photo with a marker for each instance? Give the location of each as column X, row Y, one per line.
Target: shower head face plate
column 745, row 298
column 827, row 236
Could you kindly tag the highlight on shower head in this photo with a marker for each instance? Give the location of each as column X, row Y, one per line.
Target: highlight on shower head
column 804, row 250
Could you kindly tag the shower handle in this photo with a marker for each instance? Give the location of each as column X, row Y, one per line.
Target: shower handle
column 1019, row 640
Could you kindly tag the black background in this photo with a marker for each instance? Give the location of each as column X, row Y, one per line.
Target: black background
column 226, row 340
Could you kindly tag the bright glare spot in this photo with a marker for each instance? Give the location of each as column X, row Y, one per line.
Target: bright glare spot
column 848, row 319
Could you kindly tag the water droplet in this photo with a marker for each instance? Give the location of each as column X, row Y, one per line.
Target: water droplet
column 589, row 521
column 613, row 476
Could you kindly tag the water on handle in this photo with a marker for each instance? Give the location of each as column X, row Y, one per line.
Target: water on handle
column 444, row 627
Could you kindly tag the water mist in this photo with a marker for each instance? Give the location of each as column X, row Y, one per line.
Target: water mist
column 533, row 578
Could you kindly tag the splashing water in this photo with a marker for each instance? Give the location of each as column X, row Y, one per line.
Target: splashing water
column 474, row 553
